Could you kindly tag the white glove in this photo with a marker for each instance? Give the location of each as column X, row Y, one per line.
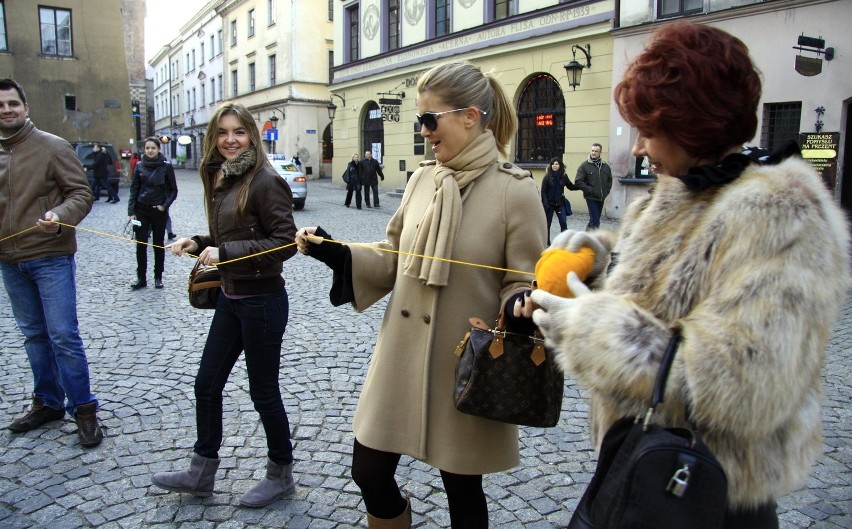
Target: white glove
column 573, row 240
column 555, row 309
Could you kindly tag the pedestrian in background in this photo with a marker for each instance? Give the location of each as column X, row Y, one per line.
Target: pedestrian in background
column 38, row 267
column 249, row 212
column 100, row 174
column 153, row 188
column 370, row 170
column 296, row 161
column 406, row 405
column 745, row 257
column 352, row 177
column 552, row 197
column 594, row 178
column 134, row 159
column 169, row 231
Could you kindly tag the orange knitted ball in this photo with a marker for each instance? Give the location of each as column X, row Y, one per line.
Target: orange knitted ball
column 551, row 270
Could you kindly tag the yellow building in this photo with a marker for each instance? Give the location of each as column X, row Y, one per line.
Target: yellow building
column 382, row 46
column 277, row 61
column 70, row 59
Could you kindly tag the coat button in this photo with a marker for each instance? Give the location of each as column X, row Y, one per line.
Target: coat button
column 507, row 165
column 404, row 313
column 427, row 318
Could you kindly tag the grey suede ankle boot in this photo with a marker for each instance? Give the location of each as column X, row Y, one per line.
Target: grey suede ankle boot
column 198, row 480
column 277, row 484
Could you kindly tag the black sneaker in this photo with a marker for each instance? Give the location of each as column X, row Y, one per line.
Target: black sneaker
column 139, row 283
column 172, row 236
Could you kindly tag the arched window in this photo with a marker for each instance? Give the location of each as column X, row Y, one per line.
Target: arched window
column 373, row 130
column 327, row 144
column 541, row 120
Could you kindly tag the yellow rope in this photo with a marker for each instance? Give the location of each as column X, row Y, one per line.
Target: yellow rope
column 399, row 252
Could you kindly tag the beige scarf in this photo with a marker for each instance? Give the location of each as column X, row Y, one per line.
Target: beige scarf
column 437, row 230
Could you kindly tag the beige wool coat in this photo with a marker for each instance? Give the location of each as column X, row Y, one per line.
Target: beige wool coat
column 754, row 274
column 406, row 405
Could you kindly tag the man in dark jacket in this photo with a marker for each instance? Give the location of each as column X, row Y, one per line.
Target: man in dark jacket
column 369, row 167
column 100, row 173
column 43, row 179
column 594, row 178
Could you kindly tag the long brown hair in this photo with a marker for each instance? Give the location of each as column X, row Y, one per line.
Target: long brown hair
column 212, row 159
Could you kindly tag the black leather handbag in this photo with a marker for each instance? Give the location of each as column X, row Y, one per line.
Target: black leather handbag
column 507, row 377
column 654, row 477
column 204, row 285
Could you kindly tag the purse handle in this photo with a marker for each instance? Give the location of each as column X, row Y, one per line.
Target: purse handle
column 663, row 375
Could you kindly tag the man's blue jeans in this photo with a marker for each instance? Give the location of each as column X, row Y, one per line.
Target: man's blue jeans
column 255, row 325
column 43, row 296
column 595, row 209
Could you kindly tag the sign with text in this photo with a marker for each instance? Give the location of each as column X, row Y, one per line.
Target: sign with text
column 820, row 148
column 544, row 120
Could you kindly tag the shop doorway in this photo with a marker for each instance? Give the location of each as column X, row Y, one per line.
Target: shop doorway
column 373, row 131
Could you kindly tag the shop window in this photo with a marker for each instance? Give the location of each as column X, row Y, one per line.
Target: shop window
column 674, row 8
column 4, row 44
column 373, row 130
column 505, row 8
column 781, row 123
column 393, row 24
column 352, row 34
column 55, row 25
column 442, row 17
column 541, row 121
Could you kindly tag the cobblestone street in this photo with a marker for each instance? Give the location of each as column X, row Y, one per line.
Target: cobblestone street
column 144, row 348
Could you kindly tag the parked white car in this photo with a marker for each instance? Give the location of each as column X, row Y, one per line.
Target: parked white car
column 294, row 178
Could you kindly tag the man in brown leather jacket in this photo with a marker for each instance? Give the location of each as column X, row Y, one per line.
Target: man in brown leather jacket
column 43, row 184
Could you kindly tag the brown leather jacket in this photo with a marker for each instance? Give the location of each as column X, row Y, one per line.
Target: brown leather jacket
column 266, row 224
column 39, row 172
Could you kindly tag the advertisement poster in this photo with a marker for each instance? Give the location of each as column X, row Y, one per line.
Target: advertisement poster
column 820, row 148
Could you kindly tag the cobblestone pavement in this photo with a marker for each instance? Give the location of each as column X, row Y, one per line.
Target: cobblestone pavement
column 144, row 349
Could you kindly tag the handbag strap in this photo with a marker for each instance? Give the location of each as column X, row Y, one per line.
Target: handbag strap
column 665, row 367
column 663, row 374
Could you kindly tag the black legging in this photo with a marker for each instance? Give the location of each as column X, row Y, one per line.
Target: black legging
column 373, row 471
column 153, row 223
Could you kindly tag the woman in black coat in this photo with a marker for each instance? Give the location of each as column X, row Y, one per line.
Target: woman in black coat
column 152, row 191
column 551, row 195
column 352, row 177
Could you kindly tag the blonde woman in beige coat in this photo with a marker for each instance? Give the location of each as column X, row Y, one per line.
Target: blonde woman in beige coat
column 748, row 261
column 465, row 206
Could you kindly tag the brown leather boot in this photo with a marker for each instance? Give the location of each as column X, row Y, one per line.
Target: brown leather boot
column 37, row 415
column 88, row 429
column 403, row 521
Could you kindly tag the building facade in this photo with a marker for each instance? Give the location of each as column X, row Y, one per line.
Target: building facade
column 277, row 65
column 203, row 81
column 133, row 28
column 382, row 46
column 805, row 94
column 70, row 59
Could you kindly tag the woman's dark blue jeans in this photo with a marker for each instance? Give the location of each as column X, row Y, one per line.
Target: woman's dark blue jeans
column 255, row 325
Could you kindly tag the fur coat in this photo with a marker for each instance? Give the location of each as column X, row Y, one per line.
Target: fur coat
column 754, row 274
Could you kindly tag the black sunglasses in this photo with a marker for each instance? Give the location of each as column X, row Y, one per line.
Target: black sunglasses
column 430, row 119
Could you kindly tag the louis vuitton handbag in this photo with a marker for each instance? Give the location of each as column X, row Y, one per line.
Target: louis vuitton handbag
column 507, row 377
column 204, row 285
column 653, row 476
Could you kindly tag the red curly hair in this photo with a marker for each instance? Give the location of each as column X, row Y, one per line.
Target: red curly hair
column 696, row 85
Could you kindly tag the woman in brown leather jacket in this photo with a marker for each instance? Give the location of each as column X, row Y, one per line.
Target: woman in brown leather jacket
column 249, row 212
